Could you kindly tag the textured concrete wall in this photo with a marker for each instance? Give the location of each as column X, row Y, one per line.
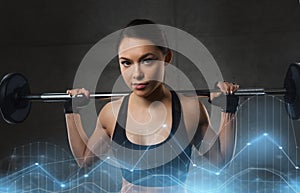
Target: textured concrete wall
column 253, row 43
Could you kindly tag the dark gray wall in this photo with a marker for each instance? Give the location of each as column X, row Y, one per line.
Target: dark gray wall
column 253, row 43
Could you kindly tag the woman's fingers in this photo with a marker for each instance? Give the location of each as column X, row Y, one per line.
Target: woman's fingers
column 74, row 92
column 85, row 92
column 227, row 87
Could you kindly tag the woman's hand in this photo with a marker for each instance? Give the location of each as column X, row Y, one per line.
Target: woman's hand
column 225, row 99
column 77, row 91
column 226, row 88
column 71, row 106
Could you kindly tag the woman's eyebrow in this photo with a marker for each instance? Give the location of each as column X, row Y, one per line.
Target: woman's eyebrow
column 124, row 58
column 141, row 58
column 145, row 56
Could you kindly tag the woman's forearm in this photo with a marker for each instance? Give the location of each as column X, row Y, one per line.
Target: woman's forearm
column 86, row 149
column 227, row 135
column 77, row 137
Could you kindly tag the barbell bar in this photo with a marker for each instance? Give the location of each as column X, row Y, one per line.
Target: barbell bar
column 15, row 96
column 63, row 97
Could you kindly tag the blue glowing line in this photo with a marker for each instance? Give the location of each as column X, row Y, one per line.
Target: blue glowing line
column 138, row 161
column 242, row 150
column 94, row 168
column 181, row 148
column 241, row 173
column 36, row 167
column 282, row 150
column 264, row 136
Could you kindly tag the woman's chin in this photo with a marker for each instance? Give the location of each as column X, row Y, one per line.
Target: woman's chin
column 141, row 92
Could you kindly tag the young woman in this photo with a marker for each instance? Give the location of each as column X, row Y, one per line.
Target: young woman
column 150, row 117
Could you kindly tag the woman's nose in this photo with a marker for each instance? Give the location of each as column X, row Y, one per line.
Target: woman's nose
column 138, row 73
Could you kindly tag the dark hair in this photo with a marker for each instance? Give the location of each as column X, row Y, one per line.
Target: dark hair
column 152, row 33
column 139, row 22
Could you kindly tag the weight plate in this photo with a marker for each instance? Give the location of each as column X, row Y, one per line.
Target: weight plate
column 292, row 85
column 13, row 108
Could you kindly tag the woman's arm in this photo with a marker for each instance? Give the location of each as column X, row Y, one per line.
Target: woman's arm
column 84, row 149
column 218, row 147
column 77, row 137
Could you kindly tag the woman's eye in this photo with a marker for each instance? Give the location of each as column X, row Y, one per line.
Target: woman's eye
column 148, row 61
column 125, row 63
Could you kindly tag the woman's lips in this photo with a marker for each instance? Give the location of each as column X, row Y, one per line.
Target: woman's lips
column 139, row 86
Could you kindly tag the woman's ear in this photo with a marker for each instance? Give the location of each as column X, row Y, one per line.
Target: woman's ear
column 168, row 58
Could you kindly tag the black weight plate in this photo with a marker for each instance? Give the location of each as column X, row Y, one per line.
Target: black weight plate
column 292, row 85
column 13, row 108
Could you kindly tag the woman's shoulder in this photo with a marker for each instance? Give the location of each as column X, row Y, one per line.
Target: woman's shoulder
column 112, row 106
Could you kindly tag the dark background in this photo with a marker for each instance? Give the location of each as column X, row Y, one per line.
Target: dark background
column 253, row 43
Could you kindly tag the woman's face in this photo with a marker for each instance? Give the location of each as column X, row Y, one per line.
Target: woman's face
column 142, row 65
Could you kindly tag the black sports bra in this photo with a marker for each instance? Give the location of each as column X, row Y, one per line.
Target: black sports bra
column 163, row 164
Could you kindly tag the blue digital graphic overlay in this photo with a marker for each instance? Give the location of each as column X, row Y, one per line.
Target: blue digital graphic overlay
column 265, row 160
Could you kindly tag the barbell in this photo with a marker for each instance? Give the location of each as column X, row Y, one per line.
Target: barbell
column 15, row 96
